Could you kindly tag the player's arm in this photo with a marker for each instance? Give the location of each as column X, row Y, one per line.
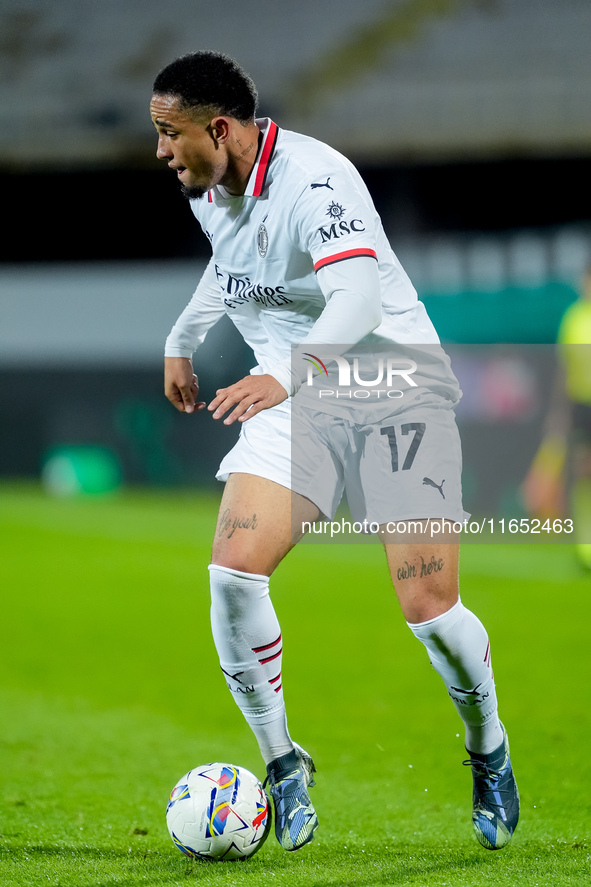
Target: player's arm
column 181, row 385
column 348, row 277
column 353, row 309
column 346, row 266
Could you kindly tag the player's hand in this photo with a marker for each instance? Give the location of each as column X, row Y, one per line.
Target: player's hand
column 181, row 385
column 249, row 397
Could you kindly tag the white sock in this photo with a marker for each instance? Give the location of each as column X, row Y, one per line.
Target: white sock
column 248, row 640
column 459, row 651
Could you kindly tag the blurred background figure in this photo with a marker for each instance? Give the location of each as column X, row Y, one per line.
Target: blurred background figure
column 559, row 481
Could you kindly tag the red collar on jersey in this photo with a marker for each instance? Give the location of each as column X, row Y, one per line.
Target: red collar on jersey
column 258, row 176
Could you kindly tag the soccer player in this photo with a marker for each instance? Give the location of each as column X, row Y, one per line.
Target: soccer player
column 300, row 258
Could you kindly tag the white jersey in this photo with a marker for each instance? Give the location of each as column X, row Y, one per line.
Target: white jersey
column 306, row 211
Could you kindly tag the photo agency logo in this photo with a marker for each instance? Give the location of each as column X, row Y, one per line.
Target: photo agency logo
column 372, row 377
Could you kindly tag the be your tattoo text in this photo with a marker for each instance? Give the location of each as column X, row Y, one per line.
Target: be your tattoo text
column 228, row 523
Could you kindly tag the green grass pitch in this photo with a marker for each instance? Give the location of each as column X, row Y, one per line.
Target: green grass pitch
column 110, row 691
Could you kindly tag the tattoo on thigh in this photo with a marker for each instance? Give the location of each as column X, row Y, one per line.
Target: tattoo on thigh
column 228, row 524
column 426, row 568
column 408, row 571
column 432, row 566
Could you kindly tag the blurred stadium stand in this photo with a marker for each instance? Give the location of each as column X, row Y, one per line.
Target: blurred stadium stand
column 470, row 120
column 398, row 79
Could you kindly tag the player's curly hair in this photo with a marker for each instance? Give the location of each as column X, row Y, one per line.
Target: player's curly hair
column 209, row 80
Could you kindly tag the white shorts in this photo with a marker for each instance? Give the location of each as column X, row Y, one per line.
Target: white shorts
column 400, row 467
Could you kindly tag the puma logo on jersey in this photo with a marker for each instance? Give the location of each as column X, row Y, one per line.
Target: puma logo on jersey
column 322, row 184
column 431, row 483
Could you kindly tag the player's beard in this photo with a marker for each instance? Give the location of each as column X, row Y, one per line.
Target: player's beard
column 193, row 192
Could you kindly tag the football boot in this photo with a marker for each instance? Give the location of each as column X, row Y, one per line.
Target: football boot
column 288, row 780
column 495, row 799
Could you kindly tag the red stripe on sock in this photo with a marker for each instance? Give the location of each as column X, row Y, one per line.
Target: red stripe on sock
column 266, row 647
column 271, row 658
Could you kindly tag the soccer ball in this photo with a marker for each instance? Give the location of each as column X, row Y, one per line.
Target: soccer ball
column 218, row 811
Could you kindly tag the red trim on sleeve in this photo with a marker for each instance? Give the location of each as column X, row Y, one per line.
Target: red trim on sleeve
column 266, row 154
column 348, row 254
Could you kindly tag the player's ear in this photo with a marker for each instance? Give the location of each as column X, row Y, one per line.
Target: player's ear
column 220, row 129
